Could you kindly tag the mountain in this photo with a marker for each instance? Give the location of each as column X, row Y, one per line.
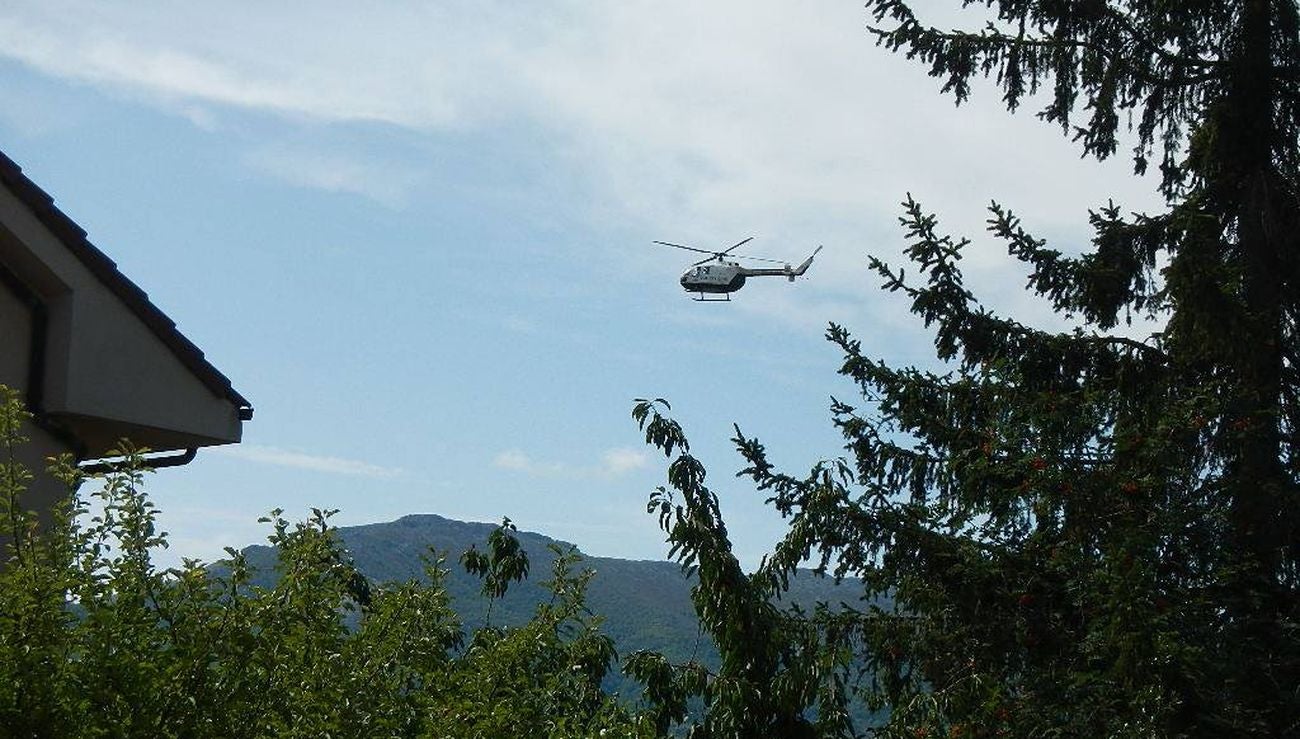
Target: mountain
column 646, row 604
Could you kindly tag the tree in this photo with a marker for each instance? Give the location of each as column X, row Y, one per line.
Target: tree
column 776, row 666
column 95, row 640
column 1079, row 533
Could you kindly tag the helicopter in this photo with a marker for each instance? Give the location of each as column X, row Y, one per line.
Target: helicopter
column 718, row 276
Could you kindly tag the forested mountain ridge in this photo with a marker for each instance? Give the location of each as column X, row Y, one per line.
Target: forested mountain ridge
column 645, row 604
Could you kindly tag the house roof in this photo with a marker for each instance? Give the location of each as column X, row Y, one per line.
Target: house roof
column 105, row 270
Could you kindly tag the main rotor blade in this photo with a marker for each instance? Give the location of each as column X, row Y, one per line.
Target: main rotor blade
column 738, row 243
column 760, row 259
column 720, row 255
column 687, row 248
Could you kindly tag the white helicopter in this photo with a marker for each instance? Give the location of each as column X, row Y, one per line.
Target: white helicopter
column 717, row 276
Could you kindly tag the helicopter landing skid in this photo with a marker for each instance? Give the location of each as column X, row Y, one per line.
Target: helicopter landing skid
column 726, row 298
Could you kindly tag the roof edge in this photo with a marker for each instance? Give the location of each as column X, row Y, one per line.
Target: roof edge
column 105, row 270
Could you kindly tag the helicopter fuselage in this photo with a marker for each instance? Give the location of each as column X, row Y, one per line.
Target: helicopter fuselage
column 714, row 277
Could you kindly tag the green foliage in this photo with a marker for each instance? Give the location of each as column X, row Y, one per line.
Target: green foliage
column 545, row 675
column 646, row 605
column 1061, row 534
column 95, row 641
column 777, row 667
column 1075, row 533
column 505, row 562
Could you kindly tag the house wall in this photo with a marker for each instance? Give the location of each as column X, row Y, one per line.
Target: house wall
column 15, row 347
column 108, row 374
column 15, row 338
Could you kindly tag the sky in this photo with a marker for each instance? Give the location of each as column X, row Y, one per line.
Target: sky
column 417, row 236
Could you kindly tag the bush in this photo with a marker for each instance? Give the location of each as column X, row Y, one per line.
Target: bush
column 97, row 641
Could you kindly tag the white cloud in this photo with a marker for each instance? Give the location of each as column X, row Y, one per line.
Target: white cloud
column 613, row 463
column 512, row 459
column 319, row 60
column 386, row 184
column 300, row 460
column 697, row 122
column 619, row 461
column 520, row 325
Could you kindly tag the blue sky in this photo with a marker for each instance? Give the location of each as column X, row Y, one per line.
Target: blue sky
column 417, row 236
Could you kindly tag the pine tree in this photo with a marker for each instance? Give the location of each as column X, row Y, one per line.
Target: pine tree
column 1083, row 533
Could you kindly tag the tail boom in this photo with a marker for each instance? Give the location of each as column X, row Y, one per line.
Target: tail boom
column 787, row 271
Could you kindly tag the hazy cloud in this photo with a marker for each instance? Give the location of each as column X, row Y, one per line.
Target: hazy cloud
column 618, row 461
column 321, row 60
column 513, row 459
column 613, row 463
column 384, row 183
column 695, row 122
column 301, row 460
column 737, row 115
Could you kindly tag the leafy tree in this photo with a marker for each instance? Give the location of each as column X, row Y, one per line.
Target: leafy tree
column 95, row 640
column 543, row 678
column 777, row 666
column 1075, row 533
column 504, row 563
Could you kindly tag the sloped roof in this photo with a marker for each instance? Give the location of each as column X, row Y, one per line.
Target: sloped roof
column 105, row 270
